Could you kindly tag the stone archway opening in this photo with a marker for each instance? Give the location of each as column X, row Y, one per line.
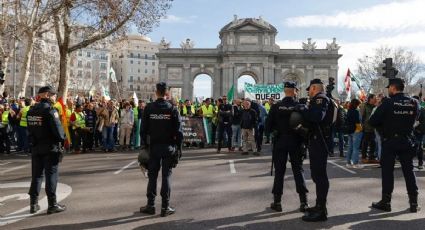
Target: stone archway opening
column 202, row 87
column 244, row 78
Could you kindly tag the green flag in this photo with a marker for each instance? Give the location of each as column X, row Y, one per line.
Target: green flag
column 230, row 94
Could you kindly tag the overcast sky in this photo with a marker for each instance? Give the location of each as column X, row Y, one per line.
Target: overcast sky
column 359, row 26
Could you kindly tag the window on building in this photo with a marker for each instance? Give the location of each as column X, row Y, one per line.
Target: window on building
column 146, row 70
column 138, row 88
column 153, row 63
column 138, row 78
column 153, row 71
column 80, row 63
column 80, row 53
column 146, row 63
column 138, row 62
column 146, row 56
column 88, row 54
column 138, row 55
column 153, row 57
column 131, row 79
column 80, row 73
column 131, row 62
column 138, row 70
column 103, row 66
column 131, row 87
column 88, row 65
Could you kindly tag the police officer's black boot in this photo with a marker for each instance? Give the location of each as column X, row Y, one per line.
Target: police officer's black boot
column 303, row 203
column 276, row 205
column 34, row 207
column 54, row 207
column 384, row 204
column 148, row 209
column 166, row 209
column 317, row 213
column 413, row 201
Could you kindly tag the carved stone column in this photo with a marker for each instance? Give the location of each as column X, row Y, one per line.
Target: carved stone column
column 217, row 82
column 309, row 73
column 163, row 72
column 187, row 88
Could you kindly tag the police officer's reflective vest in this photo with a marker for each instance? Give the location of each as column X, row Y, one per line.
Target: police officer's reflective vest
column 23, row 121
column 136, row 114
column 5, row 117
column 207, row 112
column 192, row 109
column 80, row 121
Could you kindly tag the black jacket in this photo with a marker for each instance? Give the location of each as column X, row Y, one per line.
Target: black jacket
column 249, row 119
column 161, row 122
column 45, row 128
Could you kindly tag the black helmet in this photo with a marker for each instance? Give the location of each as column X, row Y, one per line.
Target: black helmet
column 298, row 124
column 143, row 158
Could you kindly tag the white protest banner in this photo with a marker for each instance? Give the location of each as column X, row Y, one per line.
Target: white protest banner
column 263, row 92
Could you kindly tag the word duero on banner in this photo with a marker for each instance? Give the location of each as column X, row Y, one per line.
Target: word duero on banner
column 193, row 129
column 263, row 92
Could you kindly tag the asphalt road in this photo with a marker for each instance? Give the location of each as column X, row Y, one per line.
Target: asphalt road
column 210, row 191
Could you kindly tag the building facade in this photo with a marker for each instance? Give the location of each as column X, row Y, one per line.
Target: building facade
column 135, row 64
column 248, row 47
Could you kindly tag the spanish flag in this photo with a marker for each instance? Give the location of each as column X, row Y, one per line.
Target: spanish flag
column 65, row 125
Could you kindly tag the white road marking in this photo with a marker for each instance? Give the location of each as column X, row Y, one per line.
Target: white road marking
column 125, row 167
column 62, row 192
column 342, row 167
column 5, row 163
column 232, row 166
column 19, row 196
column 13, row 169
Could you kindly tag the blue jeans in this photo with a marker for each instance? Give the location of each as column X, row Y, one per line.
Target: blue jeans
column 236, row 130
column 23, row 139
column 108, row 137
column 354, row 141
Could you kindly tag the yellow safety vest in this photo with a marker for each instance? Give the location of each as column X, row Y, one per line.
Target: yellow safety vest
column 80, row 121
column 192, row 109
column 207, row 112
column 136, row 114
column 68, row 115
column 58, row 107
column 5, row 117
column 267, row 107
column 23, row 121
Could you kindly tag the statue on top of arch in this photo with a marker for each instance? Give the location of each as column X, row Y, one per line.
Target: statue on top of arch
column 187, row 45
column 163, row 44
column 332, row 46
column 309, row 46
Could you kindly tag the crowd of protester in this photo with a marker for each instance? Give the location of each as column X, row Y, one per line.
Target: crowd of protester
column 111, row 125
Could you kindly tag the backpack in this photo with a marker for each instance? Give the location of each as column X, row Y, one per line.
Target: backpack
column 341, row 118
column 332, row 113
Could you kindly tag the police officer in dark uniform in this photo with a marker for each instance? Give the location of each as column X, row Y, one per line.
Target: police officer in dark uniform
column 286, row 142
column 396, row 117
column 163, row 136
column 318, row 116
column 47, row 134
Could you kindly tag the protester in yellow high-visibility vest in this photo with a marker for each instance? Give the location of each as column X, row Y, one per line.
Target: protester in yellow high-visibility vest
column 78, row 122
column 23, row 139
column 187, row 109
column 4, row 140
column 207, row 112
column 68, row 112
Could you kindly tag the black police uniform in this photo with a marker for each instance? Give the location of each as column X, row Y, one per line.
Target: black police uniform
column 225, row 125
column 286, row 142
column 317, row 115
column 396, row 117
column 46, row 133
column 162, row 131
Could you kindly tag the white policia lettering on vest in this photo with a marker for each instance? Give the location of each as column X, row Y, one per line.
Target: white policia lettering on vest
column 35, row 120
column 160, row 116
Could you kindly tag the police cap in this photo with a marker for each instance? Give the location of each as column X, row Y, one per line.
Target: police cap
column 395, row 81
column 291, row 85
column 161, row 86
column 314, row 82
column 47, row 89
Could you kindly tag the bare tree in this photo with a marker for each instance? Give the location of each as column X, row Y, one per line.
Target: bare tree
column 410, row 67
column 31, row 16
column 103, row 18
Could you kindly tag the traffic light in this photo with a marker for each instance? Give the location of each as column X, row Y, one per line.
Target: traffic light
column 1, row 74
column 388, row 70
